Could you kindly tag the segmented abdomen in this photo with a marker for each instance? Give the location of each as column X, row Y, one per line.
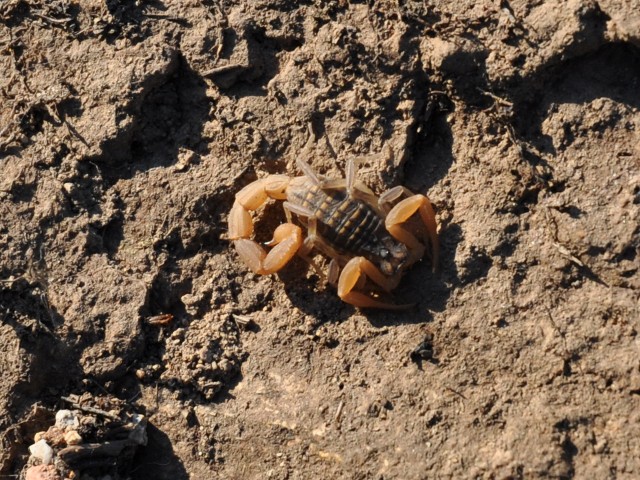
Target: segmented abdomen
column 348, row 225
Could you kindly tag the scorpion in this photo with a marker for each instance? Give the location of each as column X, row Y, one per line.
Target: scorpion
column 371, row 240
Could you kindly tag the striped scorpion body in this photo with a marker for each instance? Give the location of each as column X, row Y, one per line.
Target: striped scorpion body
column 371, row 241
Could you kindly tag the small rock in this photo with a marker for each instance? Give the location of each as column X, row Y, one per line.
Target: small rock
column 42, row 472
column 191, row 303
column 66, row 418
column 178, row 333
column 38, row 436
column 54, row 437
column 224, row 365
column 42, row 451
column 185, row 159
column 72, row 438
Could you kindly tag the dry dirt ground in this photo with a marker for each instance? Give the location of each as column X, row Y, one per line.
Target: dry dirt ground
column 126, row 128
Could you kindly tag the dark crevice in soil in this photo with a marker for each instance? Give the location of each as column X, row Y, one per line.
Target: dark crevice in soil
column 432, row 154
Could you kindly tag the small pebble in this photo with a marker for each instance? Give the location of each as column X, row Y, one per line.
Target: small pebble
column 54, row 436
column 224, row 365
column 42, row 472
column 68, row 187
column 66, row 418
column 178, row 333
column 185, row 158
column 42, row 451
column 72, row 438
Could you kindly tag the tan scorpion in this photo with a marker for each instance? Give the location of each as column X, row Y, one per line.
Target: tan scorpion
column 371, row 241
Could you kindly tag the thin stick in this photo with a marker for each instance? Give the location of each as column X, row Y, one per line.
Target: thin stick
column 95, row 411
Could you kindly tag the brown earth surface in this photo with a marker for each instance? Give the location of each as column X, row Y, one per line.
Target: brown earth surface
column 127, row 127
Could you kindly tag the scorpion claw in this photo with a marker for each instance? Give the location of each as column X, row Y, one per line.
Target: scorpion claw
column 354, row 276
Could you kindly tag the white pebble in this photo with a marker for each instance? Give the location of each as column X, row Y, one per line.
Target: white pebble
column 42, row 451
column 66, row 418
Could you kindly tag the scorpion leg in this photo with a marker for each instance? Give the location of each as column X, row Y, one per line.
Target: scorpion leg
column 299, row 210
column 389, row 197
column 355, row 273
column 308, row 171
column 309, row 242
column 334, row 273
column 354, row 187
column 359, row 190
column 351, row 184
column 351, row 175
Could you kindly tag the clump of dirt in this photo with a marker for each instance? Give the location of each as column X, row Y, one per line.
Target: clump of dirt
column 126, row 128
column 98, row 437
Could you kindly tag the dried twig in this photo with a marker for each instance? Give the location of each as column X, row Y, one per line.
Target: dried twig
column 338, row 416
column 93, row 410
column 232, row 67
